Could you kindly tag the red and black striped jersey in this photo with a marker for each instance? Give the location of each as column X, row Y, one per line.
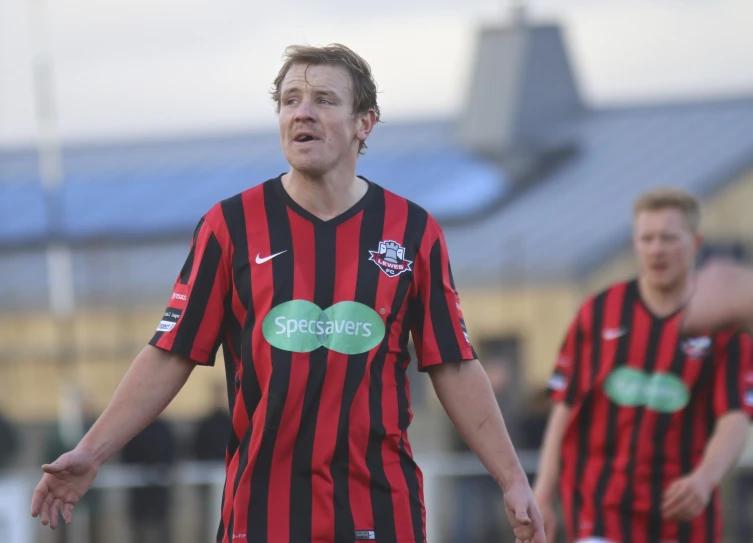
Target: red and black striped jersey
column 315, row 318
column 644, row 403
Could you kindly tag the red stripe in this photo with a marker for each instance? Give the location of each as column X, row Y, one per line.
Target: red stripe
column 262, row 289
column 611, row 318
column 278, row 512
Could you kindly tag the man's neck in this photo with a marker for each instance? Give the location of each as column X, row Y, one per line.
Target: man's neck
column 325, row 197
column 664, row 302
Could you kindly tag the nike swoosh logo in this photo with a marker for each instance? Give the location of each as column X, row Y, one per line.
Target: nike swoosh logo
column 260, row 260
column 613, row 333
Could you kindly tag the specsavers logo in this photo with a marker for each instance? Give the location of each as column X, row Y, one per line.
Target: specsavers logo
column 662, row 392
column 302, row 326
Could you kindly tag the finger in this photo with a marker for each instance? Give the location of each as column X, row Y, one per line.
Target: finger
column 674, row 494
column 55, row 512
column 54, row 468
column 38, row 498
column 68, row 513
column 45, row 518
column 522, row 517
column 679, row 508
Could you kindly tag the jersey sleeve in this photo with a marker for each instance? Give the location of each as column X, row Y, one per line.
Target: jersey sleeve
column 733, row 376
column 563, row 384
column 191, row 325
column 437, row 325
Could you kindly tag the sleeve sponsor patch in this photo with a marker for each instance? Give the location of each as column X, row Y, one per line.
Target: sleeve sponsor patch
column 179, row 297
column 558, row 381
column 169, row 319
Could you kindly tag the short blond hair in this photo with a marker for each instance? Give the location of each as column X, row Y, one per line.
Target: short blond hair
column 671, row 198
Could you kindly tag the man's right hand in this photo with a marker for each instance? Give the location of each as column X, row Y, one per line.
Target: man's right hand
column 64, row 483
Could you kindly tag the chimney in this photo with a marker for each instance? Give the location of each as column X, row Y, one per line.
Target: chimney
column 522, row 82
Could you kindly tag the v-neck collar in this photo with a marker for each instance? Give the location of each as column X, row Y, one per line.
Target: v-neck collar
column 334, row 221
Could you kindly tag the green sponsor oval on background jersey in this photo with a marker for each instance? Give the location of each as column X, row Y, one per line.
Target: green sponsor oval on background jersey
column 301, row 326
column 626, row 386
column 666, row 393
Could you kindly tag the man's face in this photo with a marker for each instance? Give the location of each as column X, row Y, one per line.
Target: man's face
column 665, row 246
column 318, row 130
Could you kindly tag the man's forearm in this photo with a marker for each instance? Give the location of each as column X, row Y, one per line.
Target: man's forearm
column 151, row 383
column 545, row 487
column 724, row 448
column 464, row 390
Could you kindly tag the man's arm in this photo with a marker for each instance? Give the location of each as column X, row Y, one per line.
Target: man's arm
column 723, row 296
column 152, row 381
column 548, row 473
column 686, row 498
column 148, row 387
column 464, row 390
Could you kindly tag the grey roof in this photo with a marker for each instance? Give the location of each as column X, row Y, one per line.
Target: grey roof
column 581, row 214
column 560, row 227
column 162, row 188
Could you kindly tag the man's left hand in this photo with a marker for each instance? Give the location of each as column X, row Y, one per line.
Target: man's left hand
column 524, row 514
column 686, row 498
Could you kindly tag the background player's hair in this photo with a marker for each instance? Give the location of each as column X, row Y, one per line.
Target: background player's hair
column 363, row 85
column 673, row 198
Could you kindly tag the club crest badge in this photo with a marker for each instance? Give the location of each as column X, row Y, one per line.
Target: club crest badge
column 390, row 257
column 697, row 347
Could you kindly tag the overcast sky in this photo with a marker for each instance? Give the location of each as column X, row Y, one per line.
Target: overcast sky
column 146, row 67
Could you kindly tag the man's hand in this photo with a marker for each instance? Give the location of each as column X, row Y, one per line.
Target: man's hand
column 524, row 514
column 64, row 483
column 549, row 515
column 686, row 498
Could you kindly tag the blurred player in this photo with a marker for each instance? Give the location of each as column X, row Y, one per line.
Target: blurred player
column 722, row 295
column 647, row 421
column 312, row 283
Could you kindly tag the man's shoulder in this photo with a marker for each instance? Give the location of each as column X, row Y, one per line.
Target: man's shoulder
column 225, row 209
column 612, row 288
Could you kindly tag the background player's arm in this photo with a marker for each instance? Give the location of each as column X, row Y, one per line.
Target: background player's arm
column 723, row 296
column 687, row 497
column 548, row 472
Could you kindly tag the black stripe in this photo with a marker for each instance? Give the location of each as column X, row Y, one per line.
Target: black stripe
column 649, row 365
column 572, row 386
column 611, row 439
column 661, row 434
column 732, row 381
column 441, row 320
column 185, row 272
column 280, row 239
column 301, row 484
column 415, row 228
column 198, row 302
column 587, row 409
column 372, row 227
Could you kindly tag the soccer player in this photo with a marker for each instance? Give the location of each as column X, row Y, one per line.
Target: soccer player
column 647, row 421
column 312, row 283
column 722, row 295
